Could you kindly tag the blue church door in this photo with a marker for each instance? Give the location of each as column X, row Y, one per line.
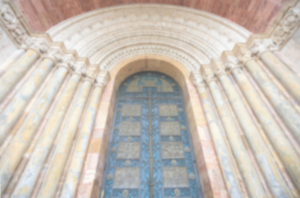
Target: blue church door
column 150, row 152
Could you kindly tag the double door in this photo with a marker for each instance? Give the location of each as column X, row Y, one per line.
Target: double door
column 150, row 151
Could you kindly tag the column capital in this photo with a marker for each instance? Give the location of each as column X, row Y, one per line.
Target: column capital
column 208, row 73
column 259, row 46
column 55, row 55
column 102, row 79
column 218, row 67
column 38, row 45
column 78, row 68
column 197, row 79
column 232, row 63
column 89, row 74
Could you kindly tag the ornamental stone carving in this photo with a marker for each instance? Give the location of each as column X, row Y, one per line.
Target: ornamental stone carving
column 39, row 45
column 218, row 67
column 198, row 80
column 78, row 67
column 12, row 24
column 286, row 26
column 102, row 79
column 55, row 55
column 258, row 46
column 207, row 73
column 232, row 63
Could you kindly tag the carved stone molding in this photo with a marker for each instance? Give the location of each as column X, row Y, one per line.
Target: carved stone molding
column 12, row 23
column 197, row 79
column 232, row 63
column 207, row 73
column 287, row 26
column 218, row 67
column 119, row 55
column 258, row 46
column 102, row 79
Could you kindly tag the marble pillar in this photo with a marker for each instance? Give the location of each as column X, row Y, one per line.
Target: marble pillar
column 280, row 142
column 29, row 176
column 288, row 78
column 81, row 146
column 239, row 150
column 283, row 107
column 24, row 135
column 275, row 180
column 12, row 111
column 63, row 146
column 226, row 161
column 16, row 71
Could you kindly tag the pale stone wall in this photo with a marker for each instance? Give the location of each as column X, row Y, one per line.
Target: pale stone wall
column 7, row 48
column 290, row 53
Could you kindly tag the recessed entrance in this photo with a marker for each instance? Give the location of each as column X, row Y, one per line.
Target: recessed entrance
column 150, row 151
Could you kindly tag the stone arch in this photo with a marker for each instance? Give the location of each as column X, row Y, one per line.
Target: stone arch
column 203, row 147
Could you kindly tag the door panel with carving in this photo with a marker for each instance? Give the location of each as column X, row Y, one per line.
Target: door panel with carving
column 150, row 152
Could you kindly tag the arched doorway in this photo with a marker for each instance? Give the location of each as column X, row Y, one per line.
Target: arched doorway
column 150, row 151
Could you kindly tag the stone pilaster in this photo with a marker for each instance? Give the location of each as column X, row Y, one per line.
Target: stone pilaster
column 12, row 111
column 74, row 172
column 24, row 135
column 285, row 150
column 29, row 176
column 17, row 70
column 239, row 150
column 283, row 107
column 58, row 162
column 225, row 159
column 289, row 79
column 261, row 152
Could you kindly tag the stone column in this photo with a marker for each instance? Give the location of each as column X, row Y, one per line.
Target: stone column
column 281, row 144
column 15, row 107
column 225, row 159
column 239, row 150
column 275, row 181
column 73, row 174
column 63, row 147
column 23, row 137
column 29, row 176
column 288, row 78
column 16, row 71
column 283, row 107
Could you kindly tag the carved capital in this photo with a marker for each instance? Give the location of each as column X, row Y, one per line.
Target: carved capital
column 38, row 45
column 55, row 55
column 89, row 74
column 102, row 79
column 198, row 80
column 78, row 68
column 286, row 26
column 208, row 73
column 261, row 45
column 218, row 68
column 232, row 63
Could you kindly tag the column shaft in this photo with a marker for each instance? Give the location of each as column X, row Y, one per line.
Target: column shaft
column 29, row 176
column 248, row 171
column 225, row 159
column 73, row 174
column 21, row 141
column 16, row 71
column 64, row 144
column 281, row 104
column 12, row 111
column 289, row 79
column 262, row 154
column 273, row 131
